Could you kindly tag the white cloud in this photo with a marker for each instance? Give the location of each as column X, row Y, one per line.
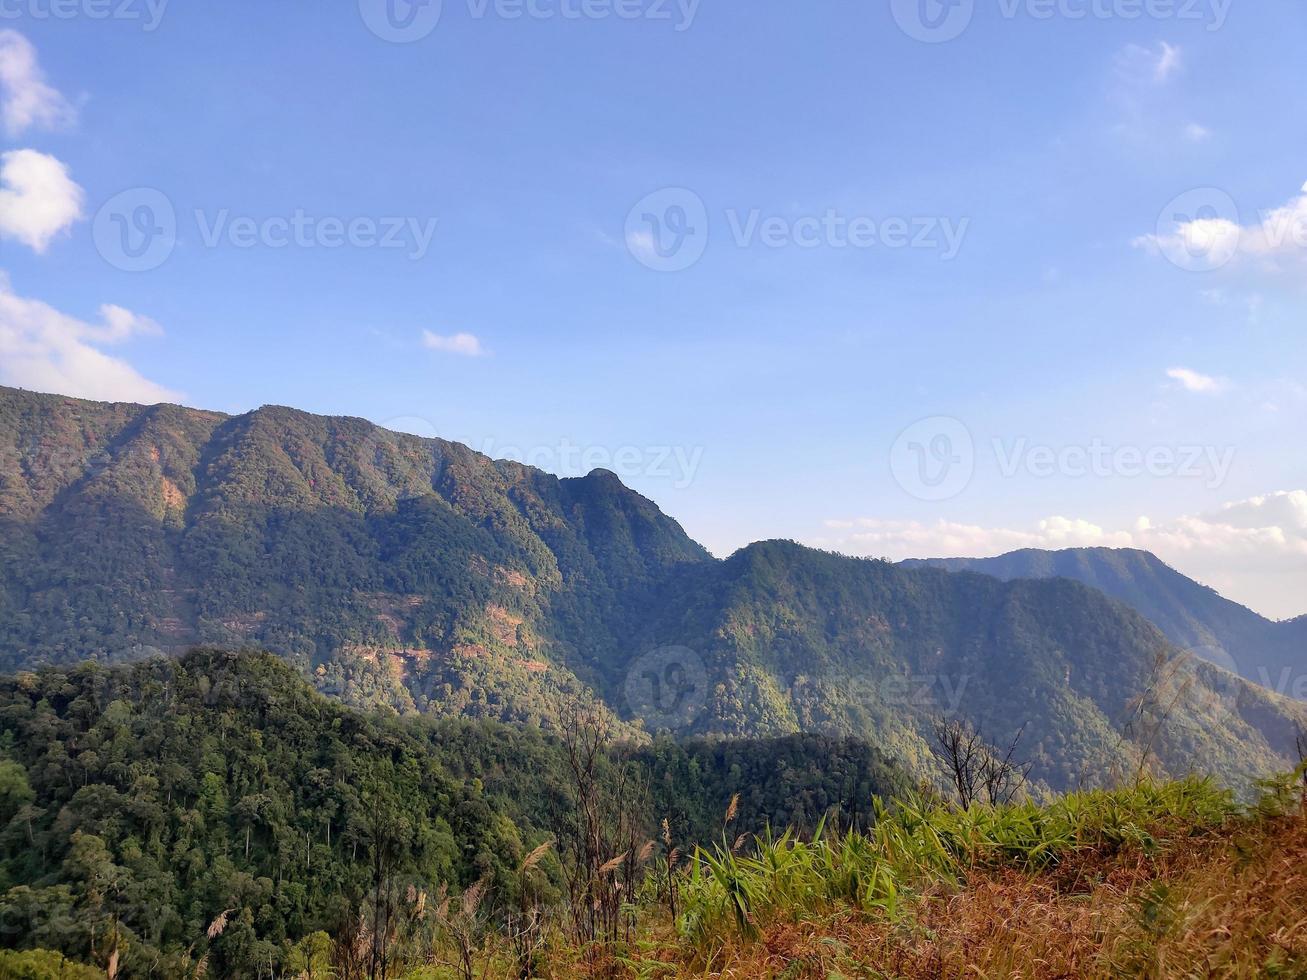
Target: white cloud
column 1196, row 133
column 460, row 343
column 947, row 539
column 1286, row 509
column 1138, row 63
column 1282, row 395
column 121, row 324
column 25, row 98
column 1282, row 230
column 43, row 349
column 38, row 199
column 1200, row 384
column 1253, row 551
column 1140, row 114
column 1279, row 233
column 1214, row 239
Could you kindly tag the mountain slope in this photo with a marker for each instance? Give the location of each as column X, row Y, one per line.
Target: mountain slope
column 793, row 639
column 1191, row 615
column 420, row 576
column 354, row 551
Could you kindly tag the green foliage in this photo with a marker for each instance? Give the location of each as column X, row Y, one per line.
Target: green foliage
column 821, row 642
column 918, row 843
column 310, row 957
column 774, row 782
column 43, row 964
column 164, row 795
column 142, row 804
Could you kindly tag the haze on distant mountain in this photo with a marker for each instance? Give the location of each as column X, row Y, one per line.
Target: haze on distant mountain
column 1193, row 616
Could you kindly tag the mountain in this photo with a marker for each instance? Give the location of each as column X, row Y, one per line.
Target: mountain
column 792, row 638
column 355, row 552
column 1193, row 616
column 419, row 576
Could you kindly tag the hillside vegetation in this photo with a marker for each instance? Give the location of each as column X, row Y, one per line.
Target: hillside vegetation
column 138, row 805
column 212, row 816
column 420, row 577
column 1193, row 616
column 1152, row 881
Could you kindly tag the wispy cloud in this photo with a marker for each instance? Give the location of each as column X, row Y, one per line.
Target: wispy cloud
column 38, row 199
column 1138, row 63
column 466, row 344
column 1139, row 97
column 26, row 99
column 1199, row 384
column 1168, row 62
column 44, row 349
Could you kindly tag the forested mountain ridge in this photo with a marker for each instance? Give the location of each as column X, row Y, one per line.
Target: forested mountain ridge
column 815, row 641
column 354, row 551
column 1193, row 616
column 420, row 576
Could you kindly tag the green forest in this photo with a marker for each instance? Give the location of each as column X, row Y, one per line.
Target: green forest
column 141, row 804
column 214, row 816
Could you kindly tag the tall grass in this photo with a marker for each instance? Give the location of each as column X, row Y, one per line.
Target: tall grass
column 1151, row 880
column 916, row 845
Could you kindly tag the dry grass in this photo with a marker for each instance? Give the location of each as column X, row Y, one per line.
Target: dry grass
column 1241, row 914
column 1226, row 903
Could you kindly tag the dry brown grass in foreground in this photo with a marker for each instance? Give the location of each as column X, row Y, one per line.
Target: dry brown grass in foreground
column 1230, row 903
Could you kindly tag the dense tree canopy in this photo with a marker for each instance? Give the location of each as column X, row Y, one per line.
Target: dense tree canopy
column 140, row 804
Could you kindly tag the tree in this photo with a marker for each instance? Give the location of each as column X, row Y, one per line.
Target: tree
column 604, row 836
column 463, row 924
column 310, row 958
column 387, row 834
column 15, row 790
column 978, row 771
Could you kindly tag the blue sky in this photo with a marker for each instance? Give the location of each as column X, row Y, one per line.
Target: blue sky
column 984, row 368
